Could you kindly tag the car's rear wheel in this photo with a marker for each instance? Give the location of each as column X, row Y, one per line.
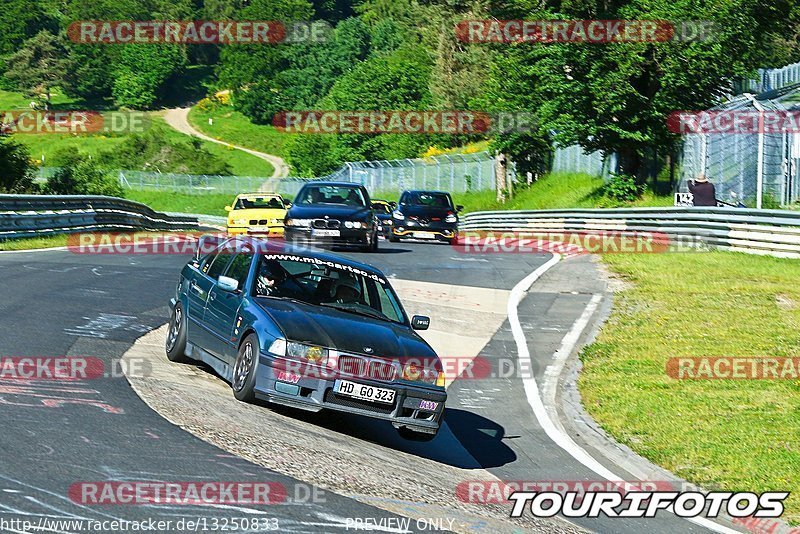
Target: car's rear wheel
column 176, row 336
column 412, row 435
column 244, row 370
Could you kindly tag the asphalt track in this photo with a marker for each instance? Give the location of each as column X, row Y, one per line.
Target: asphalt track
column 54, row 434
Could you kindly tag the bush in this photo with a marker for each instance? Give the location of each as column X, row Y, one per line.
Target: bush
column 16, row 169
column 81, row 176
column 622, row 188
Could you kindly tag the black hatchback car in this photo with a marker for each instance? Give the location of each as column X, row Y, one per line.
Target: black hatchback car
column 425, row 215
column 332, row 213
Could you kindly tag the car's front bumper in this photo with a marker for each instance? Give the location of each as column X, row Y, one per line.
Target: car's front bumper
column 314, row 392
column 256, row 230
column 438, row 231
column 347, row 236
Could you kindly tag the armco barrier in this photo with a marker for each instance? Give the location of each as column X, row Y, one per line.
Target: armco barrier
column 773, row 232
column 32, row 215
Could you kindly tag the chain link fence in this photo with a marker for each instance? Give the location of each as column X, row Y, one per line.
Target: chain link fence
column 456, row 173
column 756, row 169
column 770, row 80
column 574, row 159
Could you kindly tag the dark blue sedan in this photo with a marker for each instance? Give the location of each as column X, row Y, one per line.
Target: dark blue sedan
column 309, row 330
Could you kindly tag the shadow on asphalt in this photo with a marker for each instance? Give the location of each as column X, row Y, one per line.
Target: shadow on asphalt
column 466, row 440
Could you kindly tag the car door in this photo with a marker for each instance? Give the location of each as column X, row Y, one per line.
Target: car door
column 223, row 306
column 200, row 287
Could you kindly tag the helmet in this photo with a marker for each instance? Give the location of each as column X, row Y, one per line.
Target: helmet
column 346, row 288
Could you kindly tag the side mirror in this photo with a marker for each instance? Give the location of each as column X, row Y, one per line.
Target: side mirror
column 420, row 322
column 459, row 207
column 227, row 284
column 287, row 203
column 228, row 208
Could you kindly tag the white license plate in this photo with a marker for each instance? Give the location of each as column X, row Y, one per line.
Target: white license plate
column 259, row 228
column 424, row 235
column 364, row 392
column 325, row 233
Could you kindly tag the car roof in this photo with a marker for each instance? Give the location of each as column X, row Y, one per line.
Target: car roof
column 333, row 184
column 266, row 246
column 249, row 195
column 426, row 191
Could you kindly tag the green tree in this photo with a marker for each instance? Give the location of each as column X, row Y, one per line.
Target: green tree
column 143, row 73
column 398, row 81
column 17, row 172
column 38, row 66
column 79, row 175
column 616, row 97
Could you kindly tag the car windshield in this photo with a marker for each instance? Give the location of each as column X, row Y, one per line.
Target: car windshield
column 250, row 203
column 322, row 282
column 433, row 200
column 380, row 207
column 327, row 194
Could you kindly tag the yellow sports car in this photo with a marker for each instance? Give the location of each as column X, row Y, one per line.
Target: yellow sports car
column 257, row 214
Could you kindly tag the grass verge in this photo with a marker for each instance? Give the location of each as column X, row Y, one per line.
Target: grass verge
column 32, row 243
column 210, row 204
column 233, row 127
column 731, row 434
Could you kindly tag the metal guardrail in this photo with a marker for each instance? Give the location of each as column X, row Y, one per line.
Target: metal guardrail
column 34, row 215
column 772, row 232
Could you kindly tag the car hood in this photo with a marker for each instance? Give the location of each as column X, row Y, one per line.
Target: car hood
column 425, row 211
column 334, row 211
column 258, row 213
column 346, row 332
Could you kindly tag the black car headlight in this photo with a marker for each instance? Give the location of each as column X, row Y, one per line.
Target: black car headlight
column 355, row 224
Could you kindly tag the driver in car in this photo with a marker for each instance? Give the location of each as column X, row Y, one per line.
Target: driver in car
column 270, row 277
column 346, row 290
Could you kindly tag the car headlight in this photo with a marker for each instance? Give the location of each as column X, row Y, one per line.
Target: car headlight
column 354, row 224
column 417, row 373
column 451, row 218
column 307, row 353
column 238, row 222
column 388, row 222
column 298, row 222
column 398, row 215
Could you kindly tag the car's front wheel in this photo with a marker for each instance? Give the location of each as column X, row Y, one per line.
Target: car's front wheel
column 412, row 435
column 176, row 336
column 244, row 370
